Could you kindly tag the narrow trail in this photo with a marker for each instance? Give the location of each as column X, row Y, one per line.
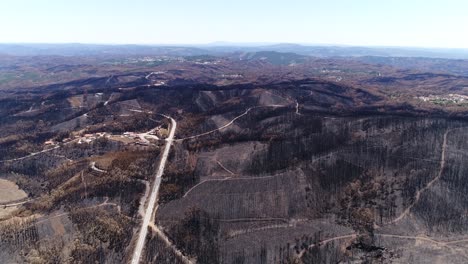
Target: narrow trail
column 15, row 204
column 105, row 203
column 140, row 244
column 456, row 241
column 40, row 152
column 202, row 182
column 261, row 219
column 31, row 155
column 224, row 168
column 236, row 233
column 149, row 75
column 428, row 185
column 85, row 185
column 235, row 220
column 288, row 98
column 63, row 157
column 446, row 244
column 231, row 179
column 228, row 124
column 217, row 129
column 425, row 238
column 326, row 241
column 94, row 168
column 109, row 79
column 169, row 244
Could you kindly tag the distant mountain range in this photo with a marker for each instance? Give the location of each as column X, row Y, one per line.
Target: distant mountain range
column 223, row 48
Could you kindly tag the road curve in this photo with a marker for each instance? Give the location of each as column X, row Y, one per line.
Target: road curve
column 153, row 196
column 229, row 123
column 428, row 185
column 326, row 241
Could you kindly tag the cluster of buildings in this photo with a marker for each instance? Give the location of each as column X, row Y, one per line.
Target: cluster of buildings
column 141, row 139
column 206, row 62
column 232, row 76
column 135, row 137
column 88, row 138
column 450, row 98
column 159, row 83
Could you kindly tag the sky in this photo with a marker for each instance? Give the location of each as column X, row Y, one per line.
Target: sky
column 415, row 23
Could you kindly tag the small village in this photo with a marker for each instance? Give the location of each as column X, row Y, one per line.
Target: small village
column 458, row 99
column 128, row 138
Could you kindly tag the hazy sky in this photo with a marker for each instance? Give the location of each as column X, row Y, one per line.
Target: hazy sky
column 424, row 23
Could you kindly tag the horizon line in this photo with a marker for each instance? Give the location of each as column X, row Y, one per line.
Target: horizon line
column 233, row 44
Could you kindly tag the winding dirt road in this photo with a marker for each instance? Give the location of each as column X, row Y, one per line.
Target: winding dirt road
column 31, row 155
column 418, row 193
column 228, row 124
column 326, row 241
column 94, row 168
